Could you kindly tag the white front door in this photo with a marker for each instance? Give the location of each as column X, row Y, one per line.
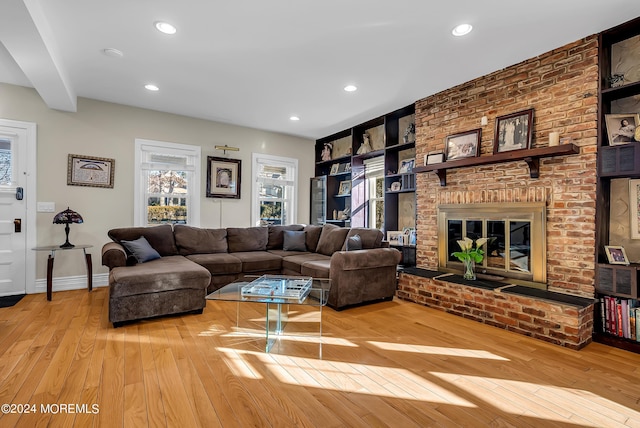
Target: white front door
column 13, row 209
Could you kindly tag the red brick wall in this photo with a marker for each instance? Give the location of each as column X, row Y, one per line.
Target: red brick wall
column 561, row 86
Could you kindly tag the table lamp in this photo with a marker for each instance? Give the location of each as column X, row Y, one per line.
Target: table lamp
column 67, row 217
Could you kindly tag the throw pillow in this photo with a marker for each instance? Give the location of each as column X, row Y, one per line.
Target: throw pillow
column 354, row 243
column 294, row 241
column 141, row 249
column 331, row 239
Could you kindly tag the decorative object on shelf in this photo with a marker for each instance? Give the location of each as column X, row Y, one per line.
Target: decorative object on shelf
column 395, row 186
column 566, row 140
column 223, row 177
column 335, row 214
column 554, row 139
column 432, row 158
column 463, row 145
column 326, row 152
column 469, row 255
column 334, row 169
column 616, row 80
column 408, row 133
column 390, row 172
column 621, row 128
column 513, row 131
column 345, row 188
column 67, row 217
column 616, row 255
column 634, row 200
column 365, row 147
column 406, row 166
column 90, row 171
column 637, row 136
column 395, row 237
column 346, row 213
column 347, row 167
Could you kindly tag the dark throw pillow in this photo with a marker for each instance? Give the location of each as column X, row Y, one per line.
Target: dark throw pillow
column 354, row 243
column 141, row 249
column 294, row 241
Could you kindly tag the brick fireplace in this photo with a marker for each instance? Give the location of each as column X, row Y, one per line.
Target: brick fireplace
column 561, row 86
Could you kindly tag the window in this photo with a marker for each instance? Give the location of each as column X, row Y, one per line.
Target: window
column 374, row 173
column 167, row 183
column 6, row 161
column 275, row 190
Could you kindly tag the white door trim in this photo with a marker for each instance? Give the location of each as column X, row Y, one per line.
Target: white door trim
column 29, row 226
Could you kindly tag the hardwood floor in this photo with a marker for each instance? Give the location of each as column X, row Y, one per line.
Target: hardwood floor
column 389, row 364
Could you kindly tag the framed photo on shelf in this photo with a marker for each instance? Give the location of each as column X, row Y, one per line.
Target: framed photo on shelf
column 223, row 177
column 345, row 188
column 634, row 209
column 621, row 128
column 616, row 255
column 334, row 169
column 347, row 167
column 406, row 166
column 90, row 171
column 513, row 131
column 463, row 145
column 432, row 158
column 396, row 186
column 395, row 237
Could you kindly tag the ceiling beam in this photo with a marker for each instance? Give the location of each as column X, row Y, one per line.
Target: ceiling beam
column 27, row 36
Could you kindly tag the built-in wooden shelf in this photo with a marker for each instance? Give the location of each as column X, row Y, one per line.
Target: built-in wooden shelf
column 530, row 156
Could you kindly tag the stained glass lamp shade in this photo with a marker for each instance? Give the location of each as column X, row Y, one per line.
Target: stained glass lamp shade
column 67, row 217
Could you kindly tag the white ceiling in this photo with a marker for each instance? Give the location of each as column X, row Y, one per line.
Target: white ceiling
column 255, row 63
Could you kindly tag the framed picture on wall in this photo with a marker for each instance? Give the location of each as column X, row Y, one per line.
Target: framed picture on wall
column 463, row 145
column 513, row 131
column 223, row 177
column 90, row 171
column 616, row 255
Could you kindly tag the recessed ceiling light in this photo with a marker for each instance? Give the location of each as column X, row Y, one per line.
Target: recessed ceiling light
column 151, row 87
column 294, row 118
column 462, row 29
column 114, row 53
column 350, row 88
column 165, row 27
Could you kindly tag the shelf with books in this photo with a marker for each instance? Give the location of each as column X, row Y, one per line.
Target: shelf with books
column 618, row 319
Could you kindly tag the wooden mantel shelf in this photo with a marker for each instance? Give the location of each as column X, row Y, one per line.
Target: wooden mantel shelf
column 530, row 156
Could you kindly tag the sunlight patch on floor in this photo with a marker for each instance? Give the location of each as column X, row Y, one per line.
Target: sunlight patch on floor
column 544, row 401
column 294, row 337
column 238, row 364
column 353, row 377
column 437, row 350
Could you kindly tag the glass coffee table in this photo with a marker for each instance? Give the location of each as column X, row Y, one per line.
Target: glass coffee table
column 277, row 293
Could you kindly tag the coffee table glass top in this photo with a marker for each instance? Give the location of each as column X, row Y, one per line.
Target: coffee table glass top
column 281, row 289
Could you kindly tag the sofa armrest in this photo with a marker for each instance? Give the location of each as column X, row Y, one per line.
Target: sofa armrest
column 113, row 255
column 365, row 259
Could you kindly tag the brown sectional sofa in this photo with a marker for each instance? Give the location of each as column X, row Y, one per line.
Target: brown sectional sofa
column 197, row 261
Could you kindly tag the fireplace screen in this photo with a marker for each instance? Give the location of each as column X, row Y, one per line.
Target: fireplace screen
column 515, row 232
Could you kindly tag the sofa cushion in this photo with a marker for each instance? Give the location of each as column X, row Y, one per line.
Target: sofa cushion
column 195, row 240
column 283, row 253
column 316, row 268
column 312, row 233
column 218, row 263
column 371, row 238
column 276, row 235
column 141, row 250
column 295, row 262
column 294, row 240
column 247, row 239
column 164, row 274
column 259, row 261
column 160, row 237
column 331, row 239
column 353, row 243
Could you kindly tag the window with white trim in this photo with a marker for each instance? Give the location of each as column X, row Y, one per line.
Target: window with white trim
column 374, row 174
column 167, row 183
column 275, row 190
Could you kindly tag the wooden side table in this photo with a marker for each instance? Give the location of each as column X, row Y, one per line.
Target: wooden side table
column 52, row 254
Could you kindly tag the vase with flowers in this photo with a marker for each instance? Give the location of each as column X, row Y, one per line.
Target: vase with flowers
column 469, row 255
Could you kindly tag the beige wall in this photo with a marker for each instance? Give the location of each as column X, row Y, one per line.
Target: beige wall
column 109, row 130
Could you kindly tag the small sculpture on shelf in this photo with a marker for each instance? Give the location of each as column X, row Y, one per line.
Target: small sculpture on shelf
column 365, row 147
column 326, row 151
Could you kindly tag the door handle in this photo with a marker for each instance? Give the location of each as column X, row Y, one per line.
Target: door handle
column 19, row 193
column 17, row 224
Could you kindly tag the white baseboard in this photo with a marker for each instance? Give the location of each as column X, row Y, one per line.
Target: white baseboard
column 72, row 283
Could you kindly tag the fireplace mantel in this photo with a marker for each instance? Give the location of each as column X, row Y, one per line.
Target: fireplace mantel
column 530, row 156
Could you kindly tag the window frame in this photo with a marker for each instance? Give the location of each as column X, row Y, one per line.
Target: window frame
column 192, row 153
column 290, row 216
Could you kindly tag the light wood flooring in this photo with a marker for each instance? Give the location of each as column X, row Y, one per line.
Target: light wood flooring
column 392, row 364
